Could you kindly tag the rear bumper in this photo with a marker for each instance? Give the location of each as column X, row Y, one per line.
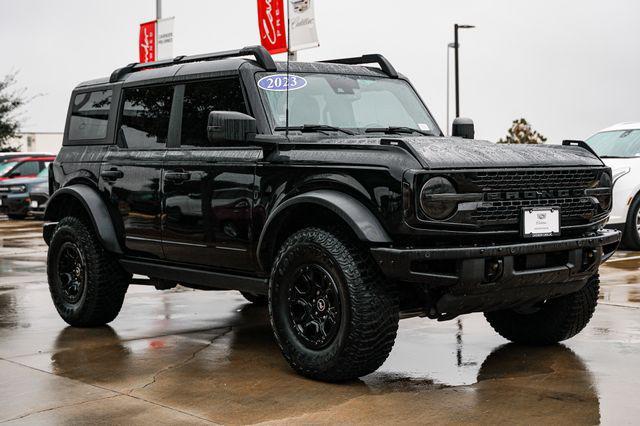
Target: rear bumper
column 481, row 278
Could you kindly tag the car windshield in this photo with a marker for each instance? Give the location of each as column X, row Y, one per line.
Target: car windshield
column 616, row 143
column 44, row 173
column 5, row 168
column 350, row 102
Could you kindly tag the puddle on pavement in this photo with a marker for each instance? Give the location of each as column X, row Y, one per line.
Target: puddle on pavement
column 15, row 266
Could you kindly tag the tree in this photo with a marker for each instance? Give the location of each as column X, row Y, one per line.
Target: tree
column 521, row 132
column 11, row 100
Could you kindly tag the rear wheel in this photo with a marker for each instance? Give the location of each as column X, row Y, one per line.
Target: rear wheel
column 333, row 316
column 631, row 237
column 553, row 320
column 87, row 284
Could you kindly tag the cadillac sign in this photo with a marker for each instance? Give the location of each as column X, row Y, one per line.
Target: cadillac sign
column 272, row 24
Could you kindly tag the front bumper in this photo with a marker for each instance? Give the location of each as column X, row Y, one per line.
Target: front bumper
column 17, row 204
column 23, row 203
column 481, row 278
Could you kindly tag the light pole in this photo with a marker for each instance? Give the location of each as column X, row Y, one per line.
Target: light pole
column 158, row 9
column 448, row 127
column 456, row 47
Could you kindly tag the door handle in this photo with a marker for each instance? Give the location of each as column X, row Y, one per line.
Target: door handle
column 112, row 174
column 177, row 176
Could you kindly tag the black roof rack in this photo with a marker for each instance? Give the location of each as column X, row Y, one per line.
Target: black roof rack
column 373, row 58
column 260, row 53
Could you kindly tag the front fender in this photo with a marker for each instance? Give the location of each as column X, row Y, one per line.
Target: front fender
column 94, row 207
column 356, row 215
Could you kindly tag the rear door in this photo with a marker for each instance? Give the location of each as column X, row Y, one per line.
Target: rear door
column 208, row 189
column 132, row 170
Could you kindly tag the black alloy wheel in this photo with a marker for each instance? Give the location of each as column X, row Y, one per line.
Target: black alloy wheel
column 87, row 283
column 334, row 316
column 71, row 272
column 314, row 306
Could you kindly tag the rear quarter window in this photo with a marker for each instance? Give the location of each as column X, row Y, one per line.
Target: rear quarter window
column 90, row 115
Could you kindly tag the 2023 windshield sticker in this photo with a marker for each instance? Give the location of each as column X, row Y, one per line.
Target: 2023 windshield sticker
column 281, row 82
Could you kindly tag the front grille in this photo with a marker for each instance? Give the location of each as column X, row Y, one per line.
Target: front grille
column 514, row 180
column 572, row 210
column 503, row 194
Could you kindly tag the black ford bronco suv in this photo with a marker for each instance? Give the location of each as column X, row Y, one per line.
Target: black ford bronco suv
column 325, row 190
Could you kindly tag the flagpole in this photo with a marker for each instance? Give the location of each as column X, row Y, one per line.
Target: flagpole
column 286, row 131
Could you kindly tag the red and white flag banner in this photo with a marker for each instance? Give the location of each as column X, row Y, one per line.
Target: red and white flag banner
column 156, row 40
column 272, row 24
column 147, row 44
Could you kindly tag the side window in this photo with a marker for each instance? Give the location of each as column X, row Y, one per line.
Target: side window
column 144, row 122
column 203, row 97
column 26, row 169
column 90, row 115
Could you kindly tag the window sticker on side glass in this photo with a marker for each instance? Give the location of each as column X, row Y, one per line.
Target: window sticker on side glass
column 280, row 82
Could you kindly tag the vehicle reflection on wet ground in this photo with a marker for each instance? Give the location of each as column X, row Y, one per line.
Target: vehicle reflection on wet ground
column 202, row 357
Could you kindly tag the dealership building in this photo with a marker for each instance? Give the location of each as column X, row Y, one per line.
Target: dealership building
column 38, row 141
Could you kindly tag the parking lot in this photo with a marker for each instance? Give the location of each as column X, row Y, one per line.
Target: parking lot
column 209, row 357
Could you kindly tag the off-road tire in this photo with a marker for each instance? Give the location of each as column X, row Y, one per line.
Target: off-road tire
column 631, row 235
column 256, row 299
column 16, row 216
column 556, row 320
column 369, row 307
column 105, row 284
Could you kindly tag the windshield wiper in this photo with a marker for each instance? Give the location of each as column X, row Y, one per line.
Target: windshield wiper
column 315, row 128
column 612, row 156
column 397, row 129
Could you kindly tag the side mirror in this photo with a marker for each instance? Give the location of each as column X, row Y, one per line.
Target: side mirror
column 230, row 126
column 14, row 175
column 463, row 128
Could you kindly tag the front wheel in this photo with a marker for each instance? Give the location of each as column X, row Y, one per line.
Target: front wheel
column 553, row 320
column 333, row 316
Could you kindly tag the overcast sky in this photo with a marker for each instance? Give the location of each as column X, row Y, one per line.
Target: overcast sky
column 569, row 67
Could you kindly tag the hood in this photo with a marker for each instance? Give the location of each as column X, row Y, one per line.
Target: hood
column 447, row 153
column 457, row 153
column 618, row 163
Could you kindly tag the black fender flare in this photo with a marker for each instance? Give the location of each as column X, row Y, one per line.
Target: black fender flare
column 96, row 210
column 356, row 215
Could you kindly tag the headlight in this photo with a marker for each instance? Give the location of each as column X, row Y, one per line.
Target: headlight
column 618, row 173
column 18, row 188
column 438, row 198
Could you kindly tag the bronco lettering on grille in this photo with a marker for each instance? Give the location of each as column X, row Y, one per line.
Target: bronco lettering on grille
column 532, row 195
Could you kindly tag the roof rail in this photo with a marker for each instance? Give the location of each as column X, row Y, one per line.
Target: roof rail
column 373, row 58
column 261, row 54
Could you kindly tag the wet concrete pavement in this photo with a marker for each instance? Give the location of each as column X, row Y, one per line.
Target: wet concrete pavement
column 184, row 356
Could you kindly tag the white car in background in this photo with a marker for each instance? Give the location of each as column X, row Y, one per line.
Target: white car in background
column 619, row 148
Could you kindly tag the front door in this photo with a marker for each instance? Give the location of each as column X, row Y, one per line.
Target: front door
column 132, row 171
column 208, row 189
